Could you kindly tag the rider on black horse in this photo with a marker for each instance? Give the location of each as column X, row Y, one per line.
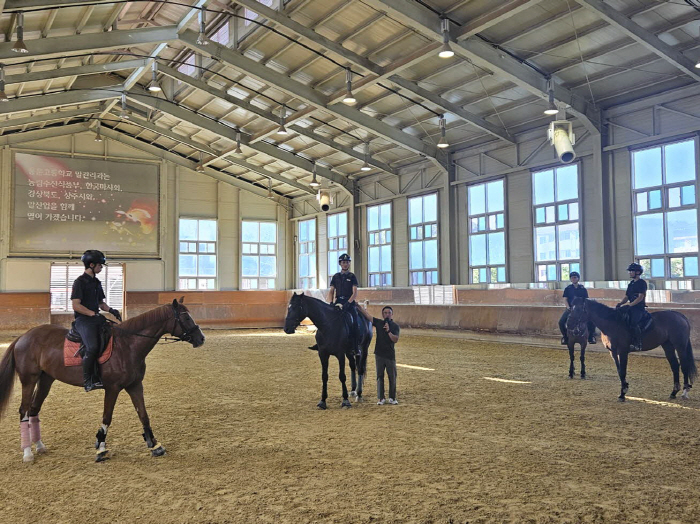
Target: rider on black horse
column 572, row 291
column 88, row 298
column 342, row 294
column 635, row 303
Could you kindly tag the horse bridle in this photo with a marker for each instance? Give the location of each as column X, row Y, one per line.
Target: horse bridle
column 186, row 335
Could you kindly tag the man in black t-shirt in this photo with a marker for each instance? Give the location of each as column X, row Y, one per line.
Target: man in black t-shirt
column 88, row 298
column 384, row 352
column 342, row 294
column 635, row 301
column 572, row 291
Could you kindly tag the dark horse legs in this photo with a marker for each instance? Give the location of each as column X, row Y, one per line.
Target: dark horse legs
column 583, row 342
column 324, row 379
column 341, row 376
column 675, row 367
column 107, row 411
column 135, row 391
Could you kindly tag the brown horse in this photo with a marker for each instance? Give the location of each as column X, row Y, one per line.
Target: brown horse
column 671, row 331
column 37, row 357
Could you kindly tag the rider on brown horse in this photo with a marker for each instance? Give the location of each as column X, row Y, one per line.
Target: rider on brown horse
column 88, row 298
column 635, row 303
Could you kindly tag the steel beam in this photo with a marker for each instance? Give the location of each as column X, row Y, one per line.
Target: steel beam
column 73, row 71
column 47, row 117
column 67, row 98
column 40, row 134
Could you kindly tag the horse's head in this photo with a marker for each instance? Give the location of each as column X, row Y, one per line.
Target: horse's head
column 296, row 312
column 185, row 328
column 576, row 323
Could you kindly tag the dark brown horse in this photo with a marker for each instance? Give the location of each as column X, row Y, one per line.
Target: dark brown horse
column 671, row 331
column 577, row 331
column 37, row 357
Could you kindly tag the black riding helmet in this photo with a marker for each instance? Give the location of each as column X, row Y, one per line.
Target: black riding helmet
column 574, row 274
column 635, row 267
column 93, row 256
column 344, row 257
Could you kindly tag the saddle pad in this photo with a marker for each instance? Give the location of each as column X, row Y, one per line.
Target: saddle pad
column 71, row 357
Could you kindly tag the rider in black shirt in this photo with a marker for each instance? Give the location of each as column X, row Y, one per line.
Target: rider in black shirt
column 88, row 298
column 344, row 286
column 572, row 291
column 635, row 300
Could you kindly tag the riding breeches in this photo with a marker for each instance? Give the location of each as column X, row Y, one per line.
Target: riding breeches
column 89, row 327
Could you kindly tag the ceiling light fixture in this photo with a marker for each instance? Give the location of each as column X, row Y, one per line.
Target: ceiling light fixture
column 202, row 36
column 19, row 46
column 443, row 143
column 199, row 168
column 552, row 108
column 270, row 194
column 349, row 98
column 124, row 113
column 282, row 130
column 238, row 151
column 446, row 51
column 366, row 166
column 98, row 136
column 154, row 86
column 314, row 183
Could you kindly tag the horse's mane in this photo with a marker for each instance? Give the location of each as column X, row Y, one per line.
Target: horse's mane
column 608, row 313
column 148, row 318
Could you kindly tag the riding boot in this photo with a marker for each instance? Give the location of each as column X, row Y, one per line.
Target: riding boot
column 636, row 344
column 89, row 373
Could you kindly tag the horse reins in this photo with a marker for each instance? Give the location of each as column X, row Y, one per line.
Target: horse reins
column 186, row 335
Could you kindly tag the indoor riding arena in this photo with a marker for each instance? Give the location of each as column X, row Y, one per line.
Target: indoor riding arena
column 349, row 261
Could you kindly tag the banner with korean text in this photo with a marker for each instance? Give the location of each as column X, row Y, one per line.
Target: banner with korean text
column 64, row 205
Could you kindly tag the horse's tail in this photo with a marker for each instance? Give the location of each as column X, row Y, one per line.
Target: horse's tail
column 7, row 376
column 690, row 362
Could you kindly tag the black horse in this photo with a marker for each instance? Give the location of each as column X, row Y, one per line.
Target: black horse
column 577, row 331
column 671, row 331
column 332, row 338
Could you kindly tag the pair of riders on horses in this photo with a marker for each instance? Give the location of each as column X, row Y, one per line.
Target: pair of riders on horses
column 88, row 298
column 343, row 294
column 634, row 301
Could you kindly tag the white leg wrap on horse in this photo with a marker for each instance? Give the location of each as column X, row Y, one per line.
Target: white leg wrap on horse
column 28, row 455
column 35, row 428
column 104, row 428
column 25, row 441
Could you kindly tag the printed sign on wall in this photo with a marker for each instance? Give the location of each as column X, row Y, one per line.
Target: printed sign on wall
column 66, row 205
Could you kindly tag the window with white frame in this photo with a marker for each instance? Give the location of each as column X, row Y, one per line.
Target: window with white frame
column 337, row 227
column 197, row 254
column 61, row 285
column 307, row 253
column 664, row 179
column 487, row 232
column 221, row 36
column 259, row 255
column 379, row 242
column 556, row 209
column 423, row 239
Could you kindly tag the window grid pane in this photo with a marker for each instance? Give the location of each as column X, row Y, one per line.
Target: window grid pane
column 487, row 245
column 306, row 255
column 423, row 244
column 379, row 245
column 337, row 227
column 259, row 254
column 665, row 211
column 556, row 219
column 197, row 258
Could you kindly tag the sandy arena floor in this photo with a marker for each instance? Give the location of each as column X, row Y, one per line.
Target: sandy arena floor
column 246, row 443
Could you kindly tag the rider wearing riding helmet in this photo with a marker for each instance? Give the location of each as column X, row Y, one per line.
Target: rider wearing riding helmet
column 572, row 291
column 88, row 298
column 635, row 302
column 344, row 286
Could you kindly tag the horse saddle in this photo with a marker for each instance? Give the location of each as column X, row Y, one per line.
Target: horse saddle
column 646, row 323
column 74, row 343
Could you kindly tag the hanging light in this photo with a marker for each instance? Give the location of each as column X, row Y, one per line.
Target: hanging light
column 314, row 183
column 282, row 130
column 270, row 194
column 366, row 166
column 349, row 98
column 446, row 51
column 3, row 95
column 124, row 113
column 199, row 168
column 98, row 136
column 19, row 46
column 443, row 143
column 238, row 151
column 698, row 64
column 154, row 86
column 202, row 36
column 552, row 108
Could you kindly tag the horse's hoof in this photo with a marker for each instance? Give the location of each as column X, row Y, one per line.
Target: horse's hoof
column 158, row 452
column 685, row 395
column 621, row 398
column 41, row 449
column 571, row 376
column 321, row 405
column 353, row 394
column 102, row 456
column 28, row 456
column 346, row 404
column 673, row 395
column 360, row 399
